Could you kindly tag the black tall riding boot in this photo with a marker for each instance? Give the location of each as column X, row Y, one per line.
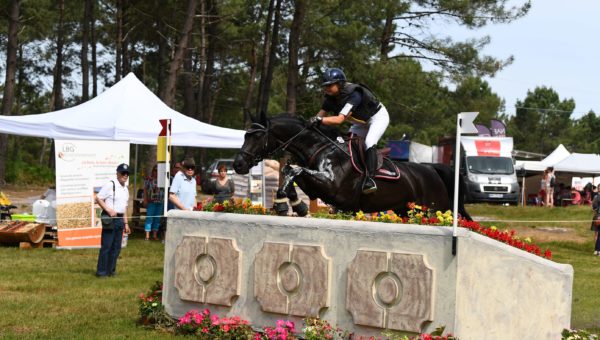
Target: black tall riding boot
column 369, row 185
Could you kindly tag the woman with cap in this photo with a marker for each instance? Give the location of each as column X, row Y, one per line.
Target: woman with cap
column 182, row 192
column 357, row 104
column 113, row 198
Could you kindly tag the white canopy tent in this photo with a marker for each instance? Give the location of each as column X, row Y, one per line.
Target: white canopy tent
column 579, row 163
column 554, row 157
column 127, row 111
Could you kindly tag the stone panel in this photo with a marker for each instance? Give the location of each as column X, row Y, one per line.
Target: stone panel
column 390, row 290
column 292, row 279
column 266, row 269
column 208, row 270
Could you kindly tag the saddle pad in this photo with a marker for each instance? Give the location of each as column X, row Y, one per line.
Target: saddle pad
column 386, row 168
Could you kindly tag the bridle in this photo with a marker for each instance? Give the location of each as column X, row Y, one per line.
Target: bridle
column 265, row 153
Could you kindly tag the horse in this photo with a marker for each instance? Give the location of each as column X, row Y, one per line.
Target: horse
column 325, row 170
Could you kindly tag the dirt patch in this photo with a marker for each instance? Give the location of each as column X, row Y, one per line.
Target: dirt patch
column 551, row 234
column 540, row 234
column 22, row 197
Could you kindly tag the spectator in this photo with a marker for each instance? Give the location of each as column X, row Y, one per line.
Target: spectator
column 595, row 227
column 550, row 183
column 113, row 199
column 575, row 197
column 183, row 190
column 224, row 188
column 543, row 187
column 153, row 200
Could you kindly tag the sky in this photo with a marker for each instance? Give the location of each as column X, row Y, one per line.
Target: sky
column 557, row 45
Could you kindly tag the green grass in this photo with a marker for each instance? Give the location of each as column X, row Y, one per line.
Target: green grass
column 49, row 293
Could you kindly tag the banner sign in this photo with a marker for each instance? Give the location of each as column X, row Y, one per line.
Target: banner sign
column 497, row 128
column 82, row 167
column 488, row 146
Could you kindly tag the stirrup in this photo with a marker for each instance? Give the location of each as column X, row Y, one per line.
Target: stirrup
column 369, row 186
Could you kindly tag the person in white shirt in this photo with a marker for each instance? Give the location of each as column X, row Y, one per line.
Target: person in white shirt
column 182, row 192
column 113, row 199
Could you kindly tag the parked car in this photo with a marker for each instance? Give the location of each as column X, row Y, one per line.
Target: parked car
column 212, row 172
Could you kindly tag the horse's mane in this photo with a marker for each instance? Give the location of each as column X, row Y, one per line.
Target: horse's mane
column 330, row 131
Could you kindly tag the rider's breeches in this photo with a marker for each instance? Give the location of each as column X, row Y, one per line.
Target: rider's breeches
column 374, row 129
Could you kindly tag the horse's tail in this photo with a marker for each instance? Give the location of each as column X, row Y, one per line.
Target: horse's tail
column 447, row 175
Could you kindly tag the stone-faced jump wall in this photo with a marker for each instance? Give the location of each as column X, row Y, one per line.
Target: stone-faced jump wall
column 361, row 276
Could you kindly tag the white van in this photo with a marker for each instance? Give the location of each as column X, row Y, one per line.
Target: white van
column 488, row 170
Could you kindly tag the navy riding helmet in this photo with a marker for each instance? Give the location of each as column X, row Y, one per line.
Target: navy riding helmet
column 333, row 75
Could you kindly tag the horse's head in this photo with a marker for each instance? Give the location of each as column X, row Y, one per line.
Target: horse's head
column 255, row 143
column 265, row 137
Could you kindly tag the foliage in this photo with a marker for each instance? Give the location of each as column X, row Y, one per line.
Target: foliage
column 578, row 334
column 150, row 306
column 317, row 329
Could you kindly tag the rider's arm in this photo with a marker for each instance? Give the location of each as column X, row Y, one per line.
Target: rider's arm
column 335, row 120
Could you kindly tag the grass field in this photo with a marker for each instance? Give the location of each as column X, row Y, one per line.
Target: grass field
column 49, row 293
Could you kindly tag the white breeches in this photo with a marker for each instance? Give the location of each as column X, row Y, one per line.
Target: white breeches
column 374, row 129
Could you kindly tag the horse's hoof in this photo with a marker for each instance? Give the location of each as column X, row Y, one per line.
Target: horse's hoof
column 281, row 208
column 300, row 208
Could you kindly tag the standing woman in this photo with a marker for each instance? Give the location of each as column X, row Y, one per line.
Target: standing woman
column 153, row 199
column 595, row 228
column 550, row 181
column 543, row 187
column 224, row 187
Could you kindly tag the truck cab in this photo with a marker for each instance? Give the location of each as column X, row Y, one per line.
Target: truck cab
column 488, row 170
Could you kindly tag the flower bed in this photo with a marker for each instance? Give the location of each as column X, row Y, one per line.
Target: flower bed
column 205, row 325
column 416, row 215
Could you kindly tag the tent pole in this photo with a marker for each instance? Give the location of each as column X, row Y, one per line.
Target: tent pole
column 135, row 168
column 523, row 192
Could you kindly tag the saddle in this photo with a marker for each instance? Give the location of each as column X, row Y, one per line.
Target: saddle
column 386, row 168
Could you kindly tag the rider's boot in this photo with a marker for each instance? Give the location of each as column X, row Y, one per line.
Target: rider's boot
column 369, row 185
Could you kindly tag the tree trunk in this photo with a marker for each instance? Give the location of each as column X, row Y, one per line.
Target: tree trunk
column 250, row 88
column 293, row 47
column 386, row 36
column 266, row 55
column 10, row 78
column 119, row 42
column 169, row 91
column 85, row 68
column 125, row 52
column 268, row 72
column 57, row 97
column 209, row 87
column 162, row 50
column 94, row 53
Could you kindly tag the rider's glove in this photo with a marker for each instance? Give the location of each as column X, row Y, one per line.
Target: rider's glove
column 315, row 121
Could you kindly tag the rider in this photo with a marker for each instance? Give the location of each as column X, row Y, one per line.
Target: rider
column 358, row 104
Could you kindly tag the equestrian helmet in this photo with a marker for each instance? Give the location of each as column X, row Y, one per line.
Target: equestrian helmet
column 333, row 75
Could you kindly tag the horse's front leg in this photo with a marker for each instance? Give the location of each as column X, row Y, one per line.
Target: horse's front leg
column 288, row 190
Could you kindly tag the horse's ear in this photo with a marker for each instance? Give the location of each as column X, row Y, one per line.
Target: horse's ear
column 263, row 118
column 249, row 114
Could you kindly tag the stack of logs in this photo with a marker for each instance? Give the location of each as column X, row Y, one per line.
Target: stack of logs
column 27, row 234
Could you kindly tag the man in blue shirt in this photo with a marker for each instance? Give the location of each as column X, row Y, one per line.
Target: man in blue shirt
column 182, row 192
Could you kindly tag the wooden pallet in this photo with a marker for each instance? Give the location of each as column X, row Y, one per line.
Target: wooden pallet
column 48, row 243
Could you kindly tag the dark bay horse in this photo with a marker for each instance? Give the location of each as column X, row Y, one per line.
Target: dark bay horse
column 325, row 170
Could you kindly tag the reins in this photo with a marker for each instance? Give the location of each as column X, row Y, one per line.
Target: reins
column 257, row 127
